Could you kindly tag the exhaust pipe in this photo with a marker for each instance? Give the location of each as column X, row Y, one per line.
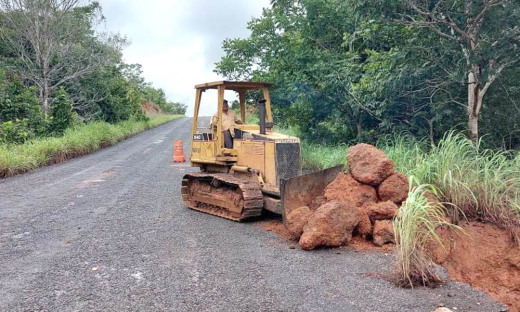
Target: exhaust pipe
column 261, row 113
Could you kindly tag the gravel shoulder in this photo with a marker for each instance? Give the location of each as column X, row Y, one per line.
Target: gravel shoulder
column 108, row 232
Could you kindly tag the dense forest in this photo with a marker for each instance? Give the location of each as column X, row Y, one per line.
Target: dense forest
column 357, row 70
column 58, row 69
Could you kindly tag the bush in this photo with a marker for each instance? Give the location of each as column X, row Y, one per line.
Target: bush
column 21, row 118
column 62, row 115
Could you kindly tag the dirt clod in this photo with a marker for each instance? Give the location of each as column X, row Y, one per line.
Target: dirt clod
column 394, row 188
column 345, row 187
column 368, row 164
column 364, row 228
column 297, row 219
column 318, row 202
column 330, row 226
column 383, row 232
column 386, row 210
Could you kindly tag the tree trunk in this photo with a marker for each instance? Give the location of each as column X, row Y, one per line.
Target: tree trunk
column 44, row 97
column 473, row 127
column 474, row 104
column 359, row 131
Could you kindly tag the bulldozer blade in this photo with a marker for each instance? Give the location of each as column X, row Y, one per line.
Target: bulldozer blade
column 302, row 190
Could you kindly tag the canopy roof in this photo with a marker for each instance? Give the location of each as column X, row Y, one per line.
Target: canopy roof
column 233, row 85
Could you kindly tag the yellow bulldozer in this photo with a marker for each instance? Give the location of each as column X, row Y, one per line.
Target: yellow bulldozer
column 260, row 170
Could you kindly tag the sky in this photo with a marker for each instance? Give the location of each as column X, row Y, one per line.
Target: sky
column 177, row 42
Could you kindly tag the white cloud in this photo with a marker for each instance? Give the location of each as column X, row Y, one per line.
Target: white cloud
column 178, row 42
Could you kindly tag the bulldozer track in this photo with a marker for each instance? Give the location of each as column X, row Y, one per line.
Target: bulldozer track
column 222, row 195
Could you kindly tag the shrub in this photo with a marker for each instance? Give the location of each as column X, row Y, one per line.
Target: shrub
column 415, row 226
column 62, row 115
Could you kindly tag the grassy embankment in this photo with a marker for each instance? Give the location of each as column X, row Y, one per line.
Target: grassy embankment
column 77, row 141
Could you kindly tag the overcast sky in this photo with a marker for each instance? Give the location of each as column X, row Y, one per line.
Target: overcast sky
column 178, row 41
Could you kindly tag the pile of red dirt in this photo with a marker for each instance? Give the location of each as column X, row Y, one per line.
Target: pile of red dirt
column 150, row 109
column 484, row 256
column 360, row 202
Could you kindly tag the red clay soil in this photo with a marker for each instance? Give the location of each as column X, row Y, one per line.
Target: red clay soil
column 487, row 258
column 344, row 187
column 362, row 244
column 296, row 220
column 330, row 226
column 368, row 164
column 150, row 109
column 276, row 226
column 349, row 205
column 394, row 188
column 386, row 210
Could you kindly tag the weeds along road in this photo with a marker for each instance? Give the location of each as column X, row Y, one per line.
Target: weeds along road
column 109, row 232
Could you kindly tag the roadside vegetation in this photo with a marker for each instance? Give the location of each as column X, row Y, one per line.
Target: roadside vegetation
column 415, row 226
column 64, row 87
column 76, row 141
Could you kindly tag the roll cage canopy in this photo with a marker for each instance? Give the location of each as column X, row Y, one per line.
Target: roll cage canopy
column 241, row 87
column 233, row 85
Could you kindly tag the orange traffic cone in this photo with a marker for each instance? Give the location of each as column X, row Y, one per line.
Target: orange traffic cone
column 178, row 155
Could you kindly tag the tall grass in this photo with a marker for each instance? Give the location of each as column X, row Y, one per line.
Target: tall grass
column 415, row 226
column 77, row 141
column 482, row 183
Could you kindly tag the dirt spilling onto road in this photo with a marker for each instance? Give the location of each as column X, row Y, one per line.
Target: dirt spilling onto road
column 486, row 257
column 275, row 226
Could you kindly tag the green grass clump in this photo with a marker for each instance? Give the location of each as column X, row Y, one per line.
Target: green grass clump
column 77, row 141
column 415, row 226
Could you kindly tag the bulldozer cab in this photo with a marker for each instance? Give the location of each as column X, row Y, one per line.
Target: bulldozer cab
column 213, row 149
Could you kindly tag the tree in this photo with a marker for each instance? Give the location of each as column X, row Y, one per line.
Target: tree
column 487, row 32
column 54, row 41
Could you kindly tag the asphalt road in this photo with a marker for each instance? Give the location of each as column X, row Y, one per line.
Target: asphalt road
column 109, row 232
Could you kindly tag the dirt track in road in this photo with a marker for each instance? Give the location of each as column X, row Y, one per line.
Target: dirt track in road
column 109, row 232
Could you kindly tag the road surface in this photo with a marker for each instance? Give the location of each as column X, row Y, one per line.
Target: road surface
column 109, row 232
